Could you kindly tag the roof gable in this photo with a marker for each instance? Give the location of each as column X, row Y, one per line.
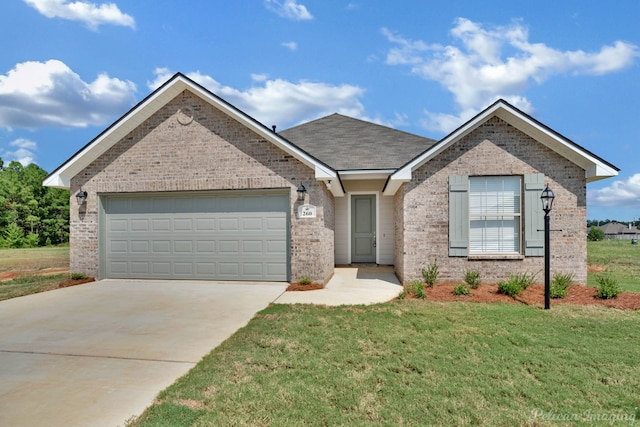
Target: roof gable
column 595, row 167
column 62, row 176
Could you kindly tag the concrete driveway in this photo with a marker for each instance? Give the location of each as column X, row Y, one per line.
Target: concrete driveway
column 99, row 353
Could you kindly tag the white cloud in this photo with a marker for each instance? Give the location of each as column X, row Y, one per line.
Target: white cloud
column 484, row 64
column 39, row 94
column 89, row 13
column 289, row 9
column 23, row 153
column 280, row 102
column 621, row 193
column 293, row 46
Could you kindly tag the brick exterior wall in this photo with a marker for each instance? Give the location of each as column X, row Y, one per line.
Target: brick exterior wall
column 495, row 148
column 212, row 152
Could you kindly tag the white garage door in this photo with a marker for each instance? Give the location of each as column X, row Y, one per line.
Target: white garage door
column 211, row 236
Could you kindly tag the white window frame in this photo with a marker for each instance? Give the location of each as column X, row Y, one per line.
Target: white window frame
column 496, row 204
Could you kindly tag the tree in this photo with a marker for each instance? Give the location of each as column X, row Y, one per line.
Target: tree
column 41, row 212
column 595, row 234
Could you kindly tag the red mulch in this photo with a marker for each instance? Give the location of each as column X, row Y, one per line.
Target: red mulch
column 534, row 295
column 74, row 282
column 300, row 287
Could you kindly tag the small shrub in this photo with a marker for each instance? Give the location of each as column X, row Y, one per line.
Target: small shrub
column 304, row 280
column 608, row 288
column 509, row 288
column 559, row 286
column 414, row 289
column 472, row 278
column 430, row 274
column 515, row 284
column 461, row 289
column 78, row 276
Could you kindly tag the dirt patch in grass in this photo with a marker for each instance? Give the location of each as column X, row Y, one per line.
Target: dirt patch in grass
column 596, row 268
column 301, row 287
column 534, row 295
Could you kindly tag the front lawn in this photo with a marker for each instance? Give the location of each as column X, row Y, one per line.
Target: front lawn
column 619, row 258
column 415, row 363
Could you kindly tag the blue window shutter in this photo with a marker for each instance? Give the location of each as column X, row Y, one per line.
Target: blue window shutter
column 458, row 215
column 533, row 215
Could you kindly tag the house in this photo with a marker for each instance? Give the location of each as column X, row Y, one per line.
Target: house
column 618, row 231
column 186, row 186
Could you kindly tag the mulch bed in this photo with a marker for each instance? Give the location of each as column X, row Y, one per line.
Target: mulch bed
column 533, row 295
column 300, row 287
column 74, row 282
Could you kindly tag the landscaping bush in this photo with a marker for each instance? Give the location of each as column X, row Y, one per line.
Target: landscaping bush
column 515, row 284
column 559, row 286
column 430, row 274
column 461, row 289
column 414, row 289
column 304, row 280
column 510, row 288
column 472, row 278
column 78, row 276
column 608, row 287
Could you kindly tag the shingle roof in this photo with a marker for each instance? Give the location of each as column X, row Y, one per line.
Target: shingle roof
column 345, row 143
column 613, row 228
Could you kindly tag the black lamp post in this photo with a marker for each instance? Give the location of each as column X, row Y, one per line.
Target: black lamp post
column 547, row 198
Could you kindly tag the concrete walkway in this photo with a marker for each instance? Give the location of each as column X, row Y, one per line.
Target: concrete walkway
column 349, row 286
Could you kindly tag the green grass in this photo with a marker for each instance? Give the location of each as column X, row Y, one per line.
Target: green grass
column 27, row 285
column 622, row 260
column 34, row 258
column 413, row 362
column 26, row 266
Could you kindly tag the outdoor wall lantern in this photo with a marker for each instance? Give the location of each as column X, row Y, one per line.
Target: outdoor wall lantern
column 302, row 190
column 547, row 198
column 81, row 197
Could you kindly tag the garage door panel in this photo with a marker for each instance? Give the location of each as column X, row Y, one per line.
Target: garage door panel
column 140, row 246
column 183, row 246
column 158, row 224
column 182, row 224
column 161, row 246
column 205, row 246
column 205, row 224
column 208, row 237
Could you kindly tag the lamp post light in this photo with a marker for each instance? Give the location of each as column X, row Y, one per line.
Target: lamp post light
column 547, row 198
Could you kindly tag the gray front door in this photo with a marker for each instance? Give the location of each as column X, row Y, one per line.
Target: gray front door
column 239, row 235
column 363, row 228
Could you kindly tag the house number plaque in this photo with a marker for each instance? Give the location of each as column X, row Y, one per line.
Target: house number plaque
column 307, row 211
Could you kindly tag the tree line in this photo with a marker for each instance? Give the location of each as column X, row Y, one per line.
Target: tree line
column 30, row 214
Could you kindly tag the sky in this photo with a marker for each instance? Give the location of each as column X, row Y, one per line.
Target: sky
column 68, row 69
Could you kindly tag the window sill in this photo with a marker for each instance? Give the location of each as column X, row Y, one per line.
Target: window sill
column 478, row 257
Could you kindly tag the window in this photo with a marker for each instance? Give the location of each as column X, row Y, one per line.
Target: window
column 494, row 215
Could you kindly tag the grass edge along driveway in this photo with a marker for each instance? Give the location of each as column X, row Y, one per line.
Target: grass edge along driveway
column 415, row 363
